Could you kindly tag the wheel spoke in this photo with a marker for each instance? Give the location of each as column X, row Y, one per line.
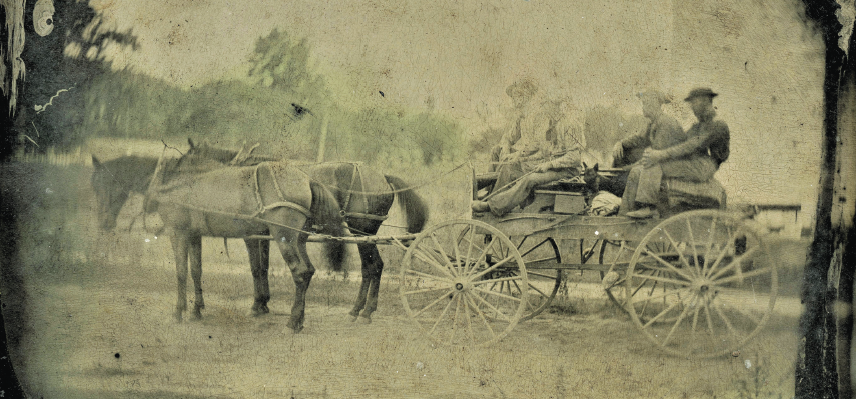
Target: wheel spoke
column 442, row 251
column 677, row 249
column 532, row 273
column 661, row 314
column 721, row 255
column 534, row 247
column 695, row 250
column 728, row 324
column 499, row 294
column 708, row 316
column 497, row 311
column 481, row 315
column 444, row 296
column 469, row 318
column 422, row 291
column 430, row 276
column 429, row 260
column 675, row 327
column 710, row 237
column 668, row 280
column 753, row 273
column 442, row 315
column 735, row 262
column 479, row 259
column 496, row 280
column 667, row 264
column 492, row 268
column 466, row 263
column 659, row 296
column 455, row 322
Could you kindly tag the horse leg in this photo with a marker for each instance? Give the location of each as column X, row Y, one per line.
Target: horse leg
column 179, row 249
column 194, row 254
column 362, row 295
column 293, row 249
column 259, row 251
column 372, row 270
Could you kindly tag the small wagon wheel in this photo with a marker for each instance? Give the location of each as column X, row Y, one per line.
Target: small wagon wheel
column 543, row 283
column 447, row 279
column 701, row 284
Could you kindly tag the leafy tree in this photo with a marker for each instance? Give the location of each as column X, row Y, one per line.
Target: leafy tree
column 282, row 62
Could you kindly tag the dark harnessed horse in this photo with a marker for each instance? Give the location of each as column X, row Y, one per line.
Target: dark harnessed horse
column 211, row 200
column 365, row 196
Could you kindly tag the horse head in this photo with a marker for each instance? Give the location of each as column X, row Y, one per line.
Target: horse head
column 110, row 194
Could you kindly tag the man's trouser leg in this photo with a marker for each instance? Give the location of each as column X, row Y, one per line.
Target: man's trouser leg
column 628, row 199
column 648, row 191
column 495, row 155
column 698, row 169
column 504, row 202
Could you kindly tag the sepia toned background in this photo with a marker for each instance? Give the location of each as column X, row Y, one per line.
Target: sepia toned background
column 417, row 89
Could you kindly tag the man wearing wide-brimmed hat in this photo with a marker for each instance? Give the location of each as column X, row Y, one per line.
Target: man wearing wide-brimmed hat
column 663, row 132
column 696, row 159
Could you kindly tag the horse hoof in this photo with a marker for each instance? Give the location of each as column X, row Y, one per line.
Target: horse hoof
column 353, row 318
column 197, row 315
column 178, row 318
column 257, row 312
column 364, row 320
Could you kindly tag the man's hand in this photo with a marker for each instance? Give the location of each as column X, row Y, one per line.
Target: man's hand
column 618, row 151
column 652, row 157
column 544, row 167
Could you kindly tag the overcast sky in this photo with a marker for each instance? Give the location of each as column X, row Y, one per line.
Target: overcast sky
column 461, row 55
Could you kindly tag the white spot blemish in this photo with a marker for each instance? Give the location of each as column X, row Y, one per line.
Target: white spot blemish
column 147, row 240
column 48, row 191
column 420, row 365
column 596, row 232
column 748, row 363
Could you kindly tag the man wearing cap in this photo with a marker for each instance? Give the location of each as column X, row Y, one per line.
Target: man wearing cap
column 663, row 132
column 696, row 159
column 514, row 143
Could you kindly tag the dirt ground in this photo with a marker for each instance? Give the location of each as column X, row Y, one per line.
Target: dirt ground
column 99, row 324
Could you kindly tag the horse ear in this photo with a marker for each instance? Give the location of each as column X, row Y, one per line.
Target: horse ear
column 595, row 167
column 190, row 141
column 585, row 166
column 95, row 162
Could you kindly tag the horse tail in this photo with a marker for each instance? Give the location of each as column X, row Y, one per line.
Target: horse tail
column 326, row 215
column 412, row 205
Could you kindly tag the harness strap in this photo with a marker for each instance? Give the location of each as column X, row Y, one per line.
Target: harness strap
column 358, row 215
column 282, row 203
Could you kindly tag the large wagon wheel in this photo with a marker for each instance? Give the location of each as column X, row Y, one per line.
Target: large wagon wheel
column 701, row 284
column 446, row 283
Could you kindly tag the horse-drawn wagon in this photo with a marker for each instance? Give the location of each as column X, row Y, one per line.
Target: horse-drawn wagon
column 695, row 282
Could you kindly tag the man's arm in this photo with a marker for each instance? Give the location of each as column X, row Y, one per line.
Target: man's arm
column 718, row 132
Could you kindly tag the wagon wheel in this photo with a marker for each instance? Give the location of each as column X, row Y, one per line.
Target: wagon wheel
column 446, row 283
column 543, row 283
column 701, row 284
column 614, row 290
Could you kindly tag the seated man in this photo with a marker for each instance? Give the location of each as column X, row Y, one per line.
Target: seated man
column 697, row 159
column 663, row 132
column 555, row 156
column 521, row 93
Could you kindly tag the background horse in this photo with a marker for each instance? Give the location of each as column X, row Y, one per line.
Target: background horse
column 365, row 196
column 268, row 199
